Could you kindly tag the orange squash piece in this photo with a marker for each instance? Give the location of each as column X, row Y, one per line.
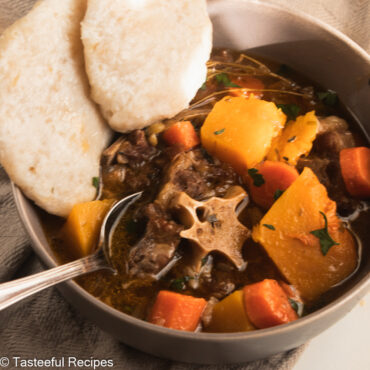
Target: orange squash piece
column 285, row 234
column 239, row 131
column 82, row 228
column 229, row 316
column 295, row 140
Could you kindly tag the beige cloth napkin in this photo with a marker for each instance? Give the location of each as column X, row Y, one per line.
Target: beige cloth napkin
column 45, row 325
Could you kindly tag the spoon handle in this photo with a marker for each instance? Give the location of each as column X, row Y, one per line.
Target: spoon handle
column 13, row 291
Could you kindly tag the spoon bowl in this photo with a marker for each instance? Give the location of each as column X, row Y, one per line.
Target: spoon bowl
column 13, row 291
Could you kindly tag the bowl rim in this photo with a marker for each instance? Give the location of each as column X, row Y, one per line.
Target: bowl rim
column 305, row 17
column 361, row 286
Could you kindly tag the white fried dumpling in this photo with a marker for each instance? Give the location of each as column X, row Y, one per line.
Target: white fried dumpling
column 145, row 59
column 51, row 132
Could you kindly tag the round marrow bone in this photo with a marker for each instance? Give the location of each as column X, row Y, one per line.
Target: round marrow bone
column 213, row 225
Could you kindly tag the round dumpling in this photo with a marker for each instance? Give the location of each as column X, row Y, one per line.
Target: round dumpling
column 145, row 59
column 51, row 132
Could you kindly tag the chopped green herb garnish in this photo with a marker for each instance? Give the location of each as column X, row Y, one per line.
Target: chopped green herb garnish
column 95, row 182
column 271, row 227
column 257, row 178
column 329, row 97
column 291, row 110
column 219, row 132
column 297, row 306
column 291, row 139
column 179, row 284
column 286, row 159
column 278, row 194
column 204, row 86
column 326, row 241
column 204, row 260
column 225, row 80
column 212, row 219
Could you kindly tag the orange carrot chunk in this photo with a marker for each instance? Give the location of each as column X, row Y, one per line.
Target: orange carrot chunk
column 181, row 134
column 268, row 180
column 355, row 167
column 267, row 304
column 177, row 311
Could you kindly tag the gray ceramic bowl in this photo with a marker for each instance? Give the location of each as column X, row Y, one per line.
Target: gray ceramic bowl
column 319, row 52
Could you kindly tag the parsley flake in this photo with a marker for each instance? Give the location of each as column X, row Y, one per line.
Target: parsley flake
column 329, row 97
column 257, row 178
column 204, row 86
column 225, row 80
column 271, row 227
column 291, row 110
column 286, row 159
column 95, row 182
column 278, row 194
column 326, row 241
column 219, row 132
column 297, row 306
column 290, row 140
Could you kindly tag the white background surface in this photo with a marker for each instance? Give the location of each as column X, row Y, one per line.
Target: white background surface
column 344, row 346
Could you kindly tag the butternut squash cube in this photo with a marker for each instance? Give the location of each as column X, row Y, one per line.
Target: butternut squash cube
column 82, row 228
column 295, row 140
column 239, row 131
column 285, row 234
column 229, row 315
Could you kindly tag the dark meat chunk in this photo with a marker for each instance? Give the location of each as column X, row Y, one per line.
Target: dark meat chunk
column 158, row 244
column 132, row 150
column 219, row 176
column 329, row 174
column 130, row 164
column 193, row 174
column 135, row 150
column 220, row 286
column 181, row 176
column 333, row 136
column 191, row 183
column 332, row 123
column 332, row 142
column 318, row 166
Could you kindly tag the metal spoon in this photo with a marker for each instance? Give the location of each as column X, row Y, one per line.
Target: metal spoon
column 13, row 291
